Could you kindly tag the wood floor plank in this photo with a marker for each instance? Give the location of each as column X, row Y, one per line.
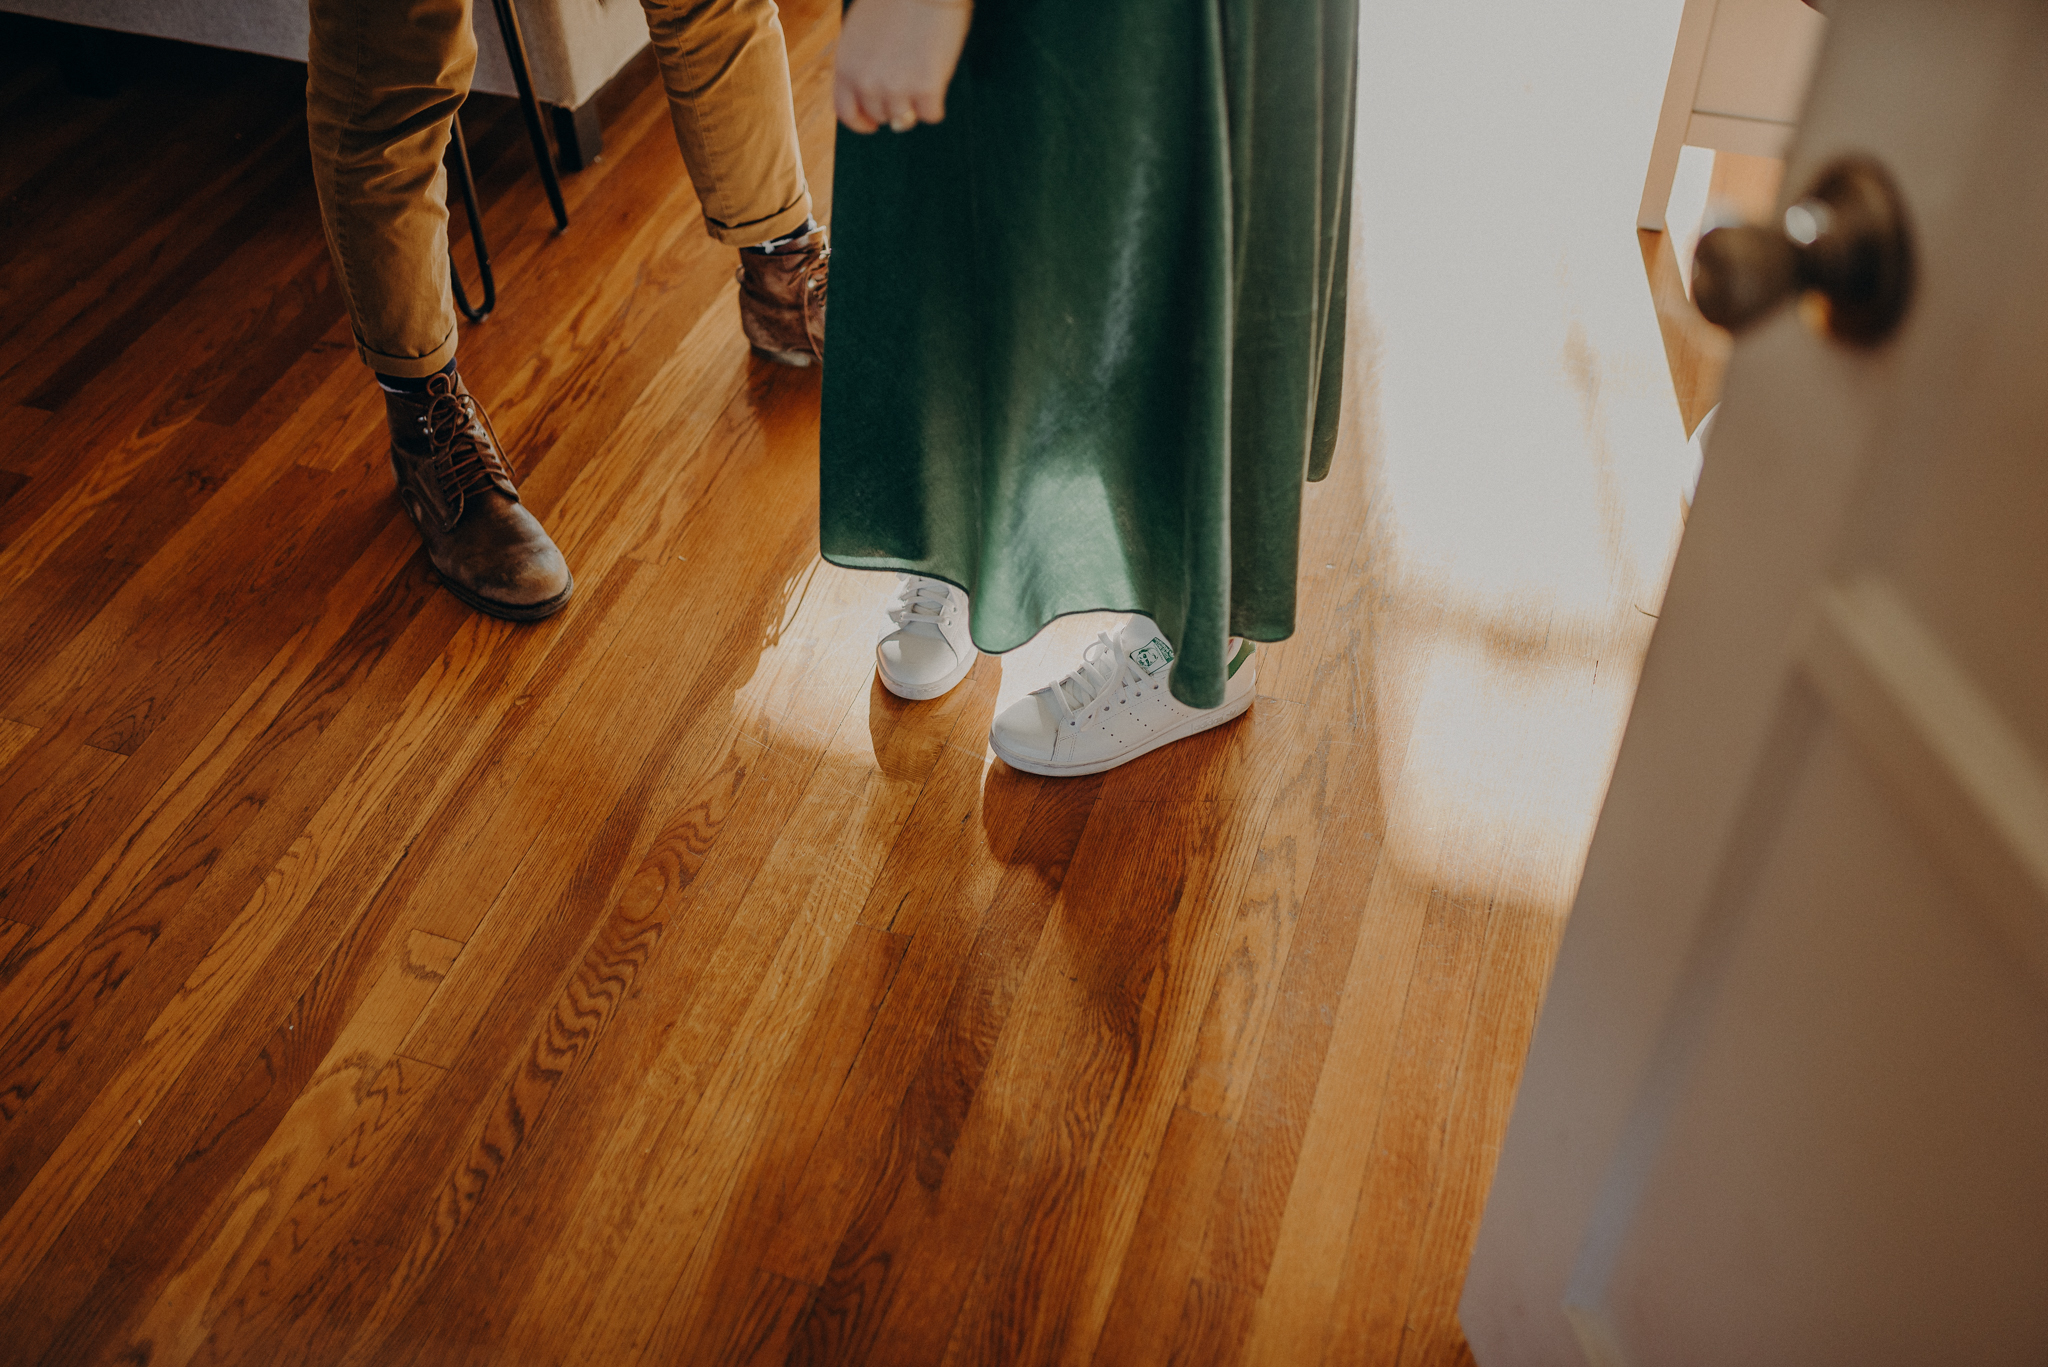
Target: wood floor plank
column 1228, row 1042
column 319, row 526
column 742, row 957
column 200, row 771
column 1166, row 1243
column 514, row 1104
column 339, row 906
column 147, row 946
column 71, row 336
column 39, row 818
column 217, row 337
column 31, row 543
column 120, row 1254
column 1064, row 1087
column 771, row 967
column 19, row 434
column 1257, row 967
column 1215, row 1319
column 1468, row 738
column 688, row 862
column 1522, row 946
column 179, row 567
column 895, row 1282
column 50, row 121
column 954, row 939
column 53, row 606
column 348, row 1111
column 177, row 681
column 746, row 1313
column 1299, row 1281
column 761, row 1333
column 961, row 840
column 1292, row 1059
column 1083, row 1258
column 82, row 260
column 553, row 812
column 368, row 1140
column 126, row 696
column 218, row 625
column 14, row 738
column 713, row 675
column 1392, row 1217
column 216, row 983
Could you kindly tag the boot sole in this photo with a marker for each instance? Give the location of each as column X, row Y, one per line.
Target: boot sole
column 511, row 612
column 1194, row 726
column 800, row 360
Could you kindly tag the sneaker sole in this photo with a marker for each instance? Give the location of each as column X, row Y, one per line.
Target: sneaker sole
column 1205, row 721
column 925, row 692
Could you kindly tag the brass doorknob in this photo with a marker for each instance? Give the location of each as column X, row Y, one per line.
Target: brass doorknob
column 1845, row 245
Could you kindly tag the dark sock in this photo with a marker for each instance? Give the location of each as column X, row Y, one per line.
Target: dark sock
column 408, row 384
column 770, row 247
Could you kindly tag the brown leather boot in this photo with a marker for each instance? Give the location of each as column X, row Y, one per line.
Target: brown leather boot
column 454, row 482
column 782, row 299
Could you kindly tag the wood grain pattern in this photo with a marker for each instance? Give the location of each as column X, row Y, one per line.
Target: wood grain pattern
column 385, row 985
column 332, row 1131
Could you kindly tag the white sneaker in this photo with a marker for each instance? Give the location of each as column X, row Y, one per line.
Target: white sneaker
column 930, row 650
column 1114, row 708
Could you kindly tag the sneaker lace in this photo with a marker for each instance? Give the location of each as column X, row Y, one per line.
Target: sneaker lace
column 464, row 448
column 922, row 605
column 1104, row 669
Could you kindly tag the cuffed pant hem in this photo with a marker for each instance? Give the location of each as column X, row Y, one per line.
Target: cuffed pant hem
column 762, row 230
column 412, row 367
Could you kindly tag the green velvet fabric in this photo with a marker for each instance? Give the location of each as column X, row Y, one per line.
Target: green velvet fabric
column 1087, row 334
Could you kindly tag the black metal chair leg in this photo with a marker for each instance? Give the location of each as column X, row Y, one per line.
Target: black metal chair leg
column 458, row 166
column 515, row 53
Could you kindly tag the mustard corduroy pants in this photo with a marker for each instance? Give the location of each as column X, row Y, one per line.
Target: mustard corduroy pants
column 384, row 79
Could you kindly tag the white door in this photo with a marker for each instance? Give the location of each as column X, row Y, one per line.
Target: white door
column 1788, row 1096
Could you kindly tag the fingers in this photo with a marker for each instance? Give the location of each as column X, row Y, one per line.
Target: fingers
column 895, row 60
column 864, row 111
column 846, row 103
column 905, row 110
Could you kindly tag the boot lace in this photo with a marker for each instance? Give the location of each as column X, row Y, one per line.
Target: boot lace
column 463, row 448
column 816, row 276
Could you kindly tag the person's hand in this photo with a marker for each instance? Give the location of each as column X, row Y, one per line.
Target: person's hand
column 896, row 58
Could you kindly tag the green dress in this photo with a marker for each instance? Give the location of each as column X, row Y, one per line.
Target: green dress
column 1088, row 333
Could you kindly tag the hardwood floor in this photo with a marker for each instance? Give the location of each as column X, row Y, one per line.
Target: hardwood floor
column 382, row 984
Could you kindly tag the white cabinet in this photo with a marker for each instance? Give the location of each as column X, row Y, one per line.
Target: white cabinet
column 1738, row 79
